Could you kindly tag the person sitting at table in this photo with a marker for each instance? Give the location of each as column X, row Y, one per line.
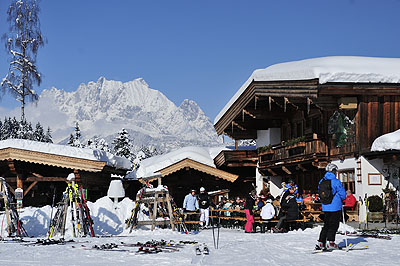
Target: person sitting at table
column 260, row 202
column 300, row 201
column 289, row 184
column 268, row 212
column 349, row 203
column 238, row 204
column 290, row 209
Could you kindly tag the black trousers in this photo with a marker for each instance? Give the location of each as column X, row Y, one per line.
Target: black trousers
column 331, row 225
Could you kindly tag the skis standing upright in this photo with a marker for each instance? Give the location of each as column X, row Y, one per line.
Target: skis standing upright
column 132, row 221
column 87, row 219
column 13, row 221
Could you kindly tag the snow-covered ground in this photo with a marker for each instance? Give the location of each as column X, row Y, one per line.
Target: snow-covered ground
column 235, row 247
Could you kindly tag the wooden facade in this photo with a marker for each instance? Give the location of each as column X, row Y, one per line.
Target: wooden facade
column 302, row 110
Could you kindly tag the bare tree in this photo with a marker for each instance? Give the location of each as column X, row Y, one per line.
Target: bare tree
column 22, row 42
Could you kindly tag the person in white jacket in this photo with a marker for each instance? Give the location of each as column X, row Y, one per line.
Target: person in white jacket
column 267, row 213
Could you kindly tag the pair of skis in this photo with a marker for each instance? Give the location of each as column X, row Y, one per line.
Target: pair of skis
column 133, row 219
column 347, row 249
column 15, row 227
column 82, row 223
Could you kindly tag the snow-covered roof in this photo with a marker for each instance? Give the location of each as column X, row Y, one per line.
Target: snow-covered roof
column 389, row 141
column 204, row 155
column 326, row 69
column 68, row 151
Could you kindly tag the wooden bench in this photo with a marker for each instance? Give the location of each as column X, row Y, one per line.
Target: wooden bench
column 353, row 215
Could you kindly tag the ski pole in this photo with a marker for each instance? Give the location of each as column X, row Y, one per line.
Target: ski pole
column 345, row 230
column 212, row 221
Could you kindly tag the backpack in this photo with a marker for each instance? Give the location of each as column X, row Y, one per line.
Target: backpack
column 325, row 191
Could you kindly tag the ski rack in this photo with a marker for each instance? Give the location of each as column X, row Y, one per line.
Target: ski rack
column 156, row 199
column 14, row 224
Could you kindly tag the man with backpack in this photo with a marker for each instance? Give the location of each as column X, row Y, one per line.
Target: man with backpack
column 331, row 194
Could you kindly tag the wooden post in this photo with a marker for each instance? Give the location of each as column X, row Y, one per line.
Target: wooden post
column 154, row 211
column 171, row 216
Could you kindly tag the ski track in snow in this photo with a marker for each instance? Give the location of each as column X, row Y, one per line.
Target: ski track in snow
column 235, row 247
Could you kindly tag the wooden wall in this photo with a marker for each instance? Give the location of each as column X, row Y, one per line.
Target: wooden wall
column 377, row 115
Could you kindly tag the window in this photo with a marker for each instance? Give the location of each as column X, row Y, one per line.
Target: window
column 347, row 179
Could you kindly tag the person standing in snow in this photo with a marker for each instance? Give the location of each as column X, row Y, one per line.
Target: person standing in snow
column 332, row 210
column 248, row 209
column 190, row 204
column 204, row 204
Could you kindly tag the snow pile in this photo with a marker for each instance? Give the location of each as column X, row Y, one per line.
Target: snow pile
column 108, row 218
column 326, row 69
column 389, row 141
column 204, row 155
column 69, row 151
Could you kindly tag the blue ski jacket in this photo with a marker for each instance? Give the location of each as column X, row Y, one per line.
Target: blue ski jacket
column 338, row 191
column 190, row 203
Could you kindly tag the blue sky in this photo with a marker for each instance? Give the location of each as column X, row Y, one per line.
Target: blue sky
column 200, row 50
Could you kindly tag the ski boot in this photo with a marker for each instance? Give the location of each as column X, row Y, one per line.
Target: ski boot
column 330, row 245
column 320, row 246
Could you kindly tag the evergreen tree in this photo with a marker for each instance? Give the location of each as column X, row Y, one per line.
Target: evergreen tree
column 48, row 138
column 38, row 134
column 77, row 138
column 71, row 140
column 122, row 145
column 22, row 42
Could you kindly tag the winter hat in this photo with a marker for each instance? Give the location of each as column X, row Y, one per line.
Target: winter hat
column 193, row 190
column 202, row 189
column 269, row 200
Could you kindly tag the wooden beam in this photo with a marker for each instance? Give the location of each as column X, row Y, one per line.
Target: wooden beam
column 249, row 114
column 302, row 168
column 238, row 126
column 30, row 187
column 271, row 172
column 45, row 179
column 287, row 171
column 11, row 189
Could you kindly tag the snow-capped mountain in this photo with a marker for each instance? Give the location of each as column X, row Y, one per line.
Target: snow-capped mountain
column 102, row 108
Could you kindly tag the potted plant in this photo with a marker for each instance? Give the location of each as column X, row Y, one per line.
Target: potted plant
column 375, row 208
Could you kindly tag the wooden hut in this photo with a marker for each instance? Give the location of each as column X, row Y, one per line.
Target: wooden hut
column 39, row 168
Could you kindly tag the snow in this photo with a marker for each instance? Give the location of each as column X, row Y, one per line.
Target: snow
column 152, row 165
column 326, row 69
column 68, row 151
column 235, row 247
column 389, row 141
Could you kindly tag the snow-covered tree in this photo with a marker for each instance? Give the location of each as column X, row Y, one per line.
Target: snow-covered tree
column 22, row 42
column 11, row 128
column 122, row 146
column 97, row 143
column 71, row 140
column 48, row 138
column 38, row 134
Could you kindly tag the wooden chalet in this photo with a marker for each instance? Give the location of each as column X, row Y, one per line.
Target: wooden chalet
column 40, row 173
column 185, row 173
column 302, row 124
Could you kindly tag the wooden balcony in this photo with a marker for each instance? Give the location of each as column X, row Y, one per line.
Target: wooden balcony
column 236, row 158
column 302, row 151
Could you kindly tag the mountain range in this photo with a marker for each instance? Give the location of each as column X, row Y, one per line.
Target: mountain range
column 104, row 107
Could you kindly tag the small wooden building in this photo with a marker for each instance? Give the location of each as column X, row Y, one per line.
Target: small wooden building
column 186, row 169
column 40, row 168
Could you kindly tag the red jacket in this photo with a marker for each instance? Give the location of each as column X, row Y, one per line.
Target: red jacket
column 350, row 201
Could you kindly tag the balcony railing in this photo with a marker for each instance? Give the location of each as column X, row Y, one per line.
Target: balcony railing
column 309, row 148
